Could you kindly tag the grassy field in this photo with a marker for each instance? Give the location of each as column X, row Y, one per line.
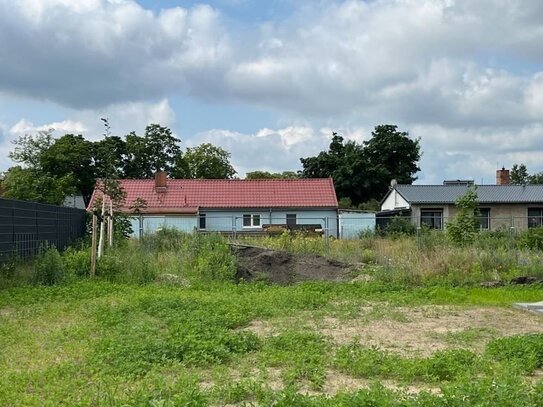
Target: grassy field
column 132, row 338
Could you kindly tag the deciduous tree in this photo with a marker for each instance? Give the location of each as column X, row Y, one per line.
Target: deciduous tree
column 204, row 161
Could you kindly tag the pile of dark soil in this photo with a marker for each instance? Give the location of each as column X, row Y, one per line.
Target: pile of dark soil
column 280, row 267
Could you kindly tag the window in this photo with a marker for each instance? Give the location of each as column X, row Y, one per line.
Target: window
column 251, row 221
column 433, row 218
column 202, row 221
column 535, row 217
column 291, row 219
column 484, row 218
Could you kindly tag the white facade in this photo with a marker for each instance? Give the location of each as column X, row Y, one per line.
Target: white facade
column 394, row 201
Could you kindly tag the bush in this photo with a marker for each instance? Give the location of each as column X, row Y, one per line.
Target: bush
column 213, row 258
column 531, row 239
column 110, row 267
column 399, row 226
column 48, row 267
column 165, row 239
column 76, row 262
column 463, row 228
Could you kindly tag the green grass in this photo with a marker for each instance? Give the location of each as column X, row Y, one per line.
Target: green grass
column 101, row 343
column 130, row 338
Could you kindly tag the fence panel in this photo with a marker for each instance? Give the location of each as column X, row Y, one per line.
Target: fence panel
column 27, row 226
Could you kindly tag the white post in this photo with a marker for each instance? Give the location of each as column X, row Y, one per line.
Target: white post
column 102, row 229
column 110, row 231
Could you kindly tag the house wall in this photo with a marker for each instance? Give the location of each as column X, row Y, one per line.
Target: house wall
column 152, row 223
column 225, row 221
column 351, row 224
column 394, row 201
column 228, row 221
column 502, row 216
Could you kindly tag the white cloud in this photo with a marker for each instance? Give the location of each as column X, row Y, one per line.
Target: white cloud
column 463, row 75
column 274, row 150
column 66, row 126
column 94, row 53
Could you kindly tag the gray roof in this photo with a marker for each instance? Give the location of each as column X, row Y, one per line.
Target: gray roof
column 445, row 194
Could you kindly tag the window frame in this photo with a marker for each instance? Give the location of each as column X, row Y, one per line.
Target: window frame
column 255, row 220
column 202, row 217
column 484, row 218
column 433, row 217
column 537, row 219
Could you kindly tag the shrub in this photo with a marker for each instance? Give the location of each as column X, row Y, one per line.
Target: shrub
column 165, row 239
column 48, row 267
column 531, row 238
column 110, row 267
column 463, row 228
column 213, row 258
column 399, row 226
column 76, row 262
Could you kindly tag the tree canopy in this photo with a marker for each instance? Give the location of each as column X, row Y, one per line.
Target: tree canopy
column 271, row 175
column 51, row 169
column 520, row 175
column 362, row 172
column 204, row 161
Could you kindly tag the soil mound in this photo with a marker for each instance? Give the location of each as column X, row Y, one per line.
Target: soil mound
column 280, row 267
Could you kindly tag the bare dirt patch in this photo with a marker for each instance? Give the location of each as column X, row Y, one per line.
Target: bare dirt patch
column 285, row 268
column 417, row 330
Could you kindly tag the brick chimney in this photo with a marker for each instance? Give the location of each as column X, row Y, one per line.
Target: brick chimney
column 160, row 181
column 502, row 177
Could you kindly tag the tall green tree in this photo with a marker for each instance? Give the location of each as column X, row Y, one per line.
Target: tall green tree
column 110, row 155
column 362, row 172
column 29, row 184
column 204, row 161
column 520, row 176
column 157, row 150
column 71, row 155
column 29, row 148
column 390, row 154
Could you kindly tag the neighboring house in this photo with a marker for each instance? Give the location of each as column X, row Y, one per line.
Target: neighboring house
column 501, row 206
column 228, row 205
column 74, row 201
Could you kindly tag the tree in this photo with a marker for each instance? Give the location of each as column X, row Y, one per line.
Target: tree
column 390, row 154
column 157, row 150
column 271, row 175
column 519, row 175
column 204, row 161
column 71, row 155
column 29, row 148
column 33, row 182
column 110, row 156
column 362, row 172
column 29, row 184
column 463, row 228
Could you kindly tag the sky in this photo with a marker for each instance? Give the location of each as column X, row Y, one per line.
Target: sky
column 270, row 80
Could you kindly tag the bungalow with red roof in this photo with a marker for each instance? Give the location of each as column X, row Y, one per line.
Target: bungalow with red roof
column 223, row 205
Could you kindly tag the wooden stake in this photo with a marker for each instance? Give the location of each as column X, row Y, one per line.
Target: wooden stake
column 93, row 247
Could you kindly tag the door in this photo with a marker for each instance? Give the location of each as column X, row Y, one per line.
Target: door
column 291, row 220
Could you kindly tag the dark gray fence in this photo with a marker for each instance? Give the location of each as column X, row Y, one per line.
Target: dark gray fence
column 27, row 226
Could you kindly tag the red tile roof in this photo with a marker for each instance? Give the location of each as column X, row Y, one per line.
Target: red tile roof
column 187, row 195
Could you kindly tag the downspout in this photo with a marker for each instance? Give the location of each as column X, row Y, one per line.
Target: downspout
column 337, row 223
